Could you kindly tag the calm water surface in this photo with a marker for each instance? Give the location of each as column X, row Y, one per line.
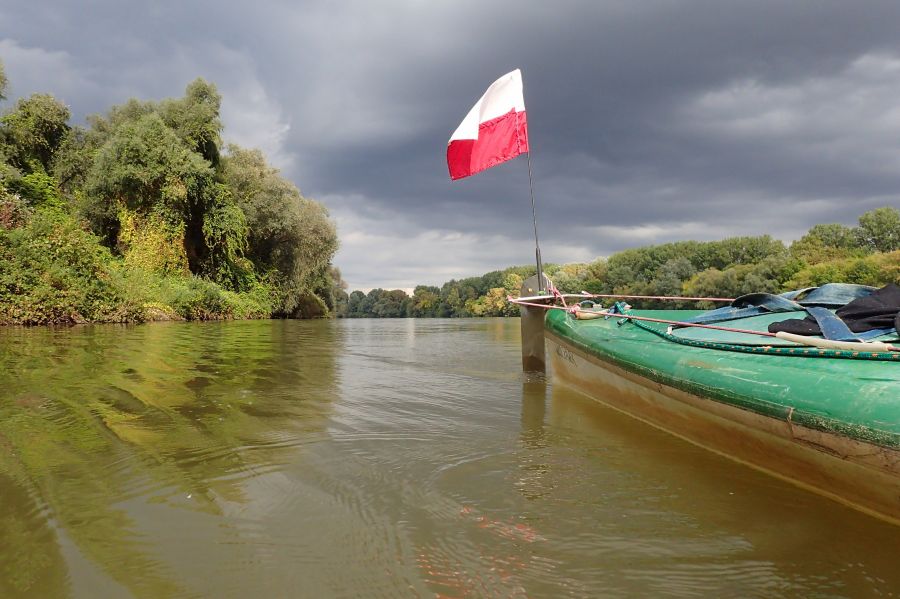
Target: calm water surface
column 371, row 458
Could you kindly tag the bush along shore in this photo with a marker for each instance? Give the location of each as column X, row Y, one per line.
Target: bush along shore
column 145, row 214
column 868, row 254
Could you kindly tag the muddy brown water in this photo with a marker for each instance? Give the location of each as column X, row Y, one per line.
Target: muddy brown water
column 377, row 458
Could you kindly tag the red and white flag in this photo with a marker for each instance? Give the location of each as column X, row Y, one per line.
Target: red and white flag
column 494, row 131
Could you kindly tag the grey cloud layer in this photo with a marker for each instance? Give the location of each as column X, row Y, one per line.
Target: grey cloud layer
column 650, row 121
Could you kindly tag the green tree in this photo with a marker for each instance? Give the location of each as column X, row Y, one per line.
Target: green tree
column 145, row 167
column 355, row 304
column 833, row 235
column 492, row 303
column 671, row 277
column 825, row 242
column 512, row 283
column 746, row 250
column 875, row 269
column 148, row 178
column 33, row 131
column 290, row 237
column 37, row 189
column 451, row 302
column 195, row 118
column 390, row 304
column 879, row 229
column 73, row 160
column 620, row 277
column 225, row 234
column 768, row 275
column 425, row 301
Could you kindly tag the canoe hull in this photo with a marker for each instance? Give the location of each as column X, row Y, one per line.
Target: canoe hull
column 857, row 473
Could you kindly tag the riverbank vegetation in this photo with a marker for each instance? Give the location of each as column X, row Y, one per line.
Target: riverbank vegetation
column 868, row 254
column 147, row 214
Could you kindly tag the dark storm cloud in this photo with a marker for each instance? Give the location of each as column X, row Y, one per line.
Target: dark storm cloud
column 650, row 121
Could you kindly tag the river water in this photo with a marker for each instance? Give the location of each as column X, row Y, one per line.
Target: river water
column 377, row 458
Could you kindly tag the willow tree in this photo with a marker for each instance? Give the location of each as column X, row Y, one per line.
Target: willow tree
column 33, row 131
column 290, row 238
column 195, row 118
column 147, row 167
column 30, row 135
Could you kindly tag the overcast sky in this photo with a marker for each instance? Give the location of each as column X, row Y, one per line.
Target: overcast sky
column 649, row 121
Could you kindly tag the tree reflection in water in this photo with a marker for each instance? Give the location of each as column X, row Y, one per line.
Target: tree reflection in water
column 98, row 423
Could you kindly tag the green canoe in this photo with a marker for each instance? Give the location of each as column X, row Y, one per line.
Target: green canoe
column 828, row 420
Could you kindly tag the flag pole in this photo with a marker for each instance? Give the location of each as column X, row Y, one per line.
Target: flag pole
column 537, row 246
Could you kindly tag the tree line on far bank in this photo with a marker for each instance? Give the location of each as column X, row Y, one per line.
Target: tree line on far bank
column 867, row 254
column 146, row 213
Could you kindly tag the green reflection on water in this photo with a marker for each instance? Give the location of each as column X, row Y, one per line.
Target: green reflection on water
column 93, row 418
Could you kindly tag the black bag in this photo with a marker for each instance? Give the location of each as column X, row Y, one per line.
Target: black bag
column 880, row 310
